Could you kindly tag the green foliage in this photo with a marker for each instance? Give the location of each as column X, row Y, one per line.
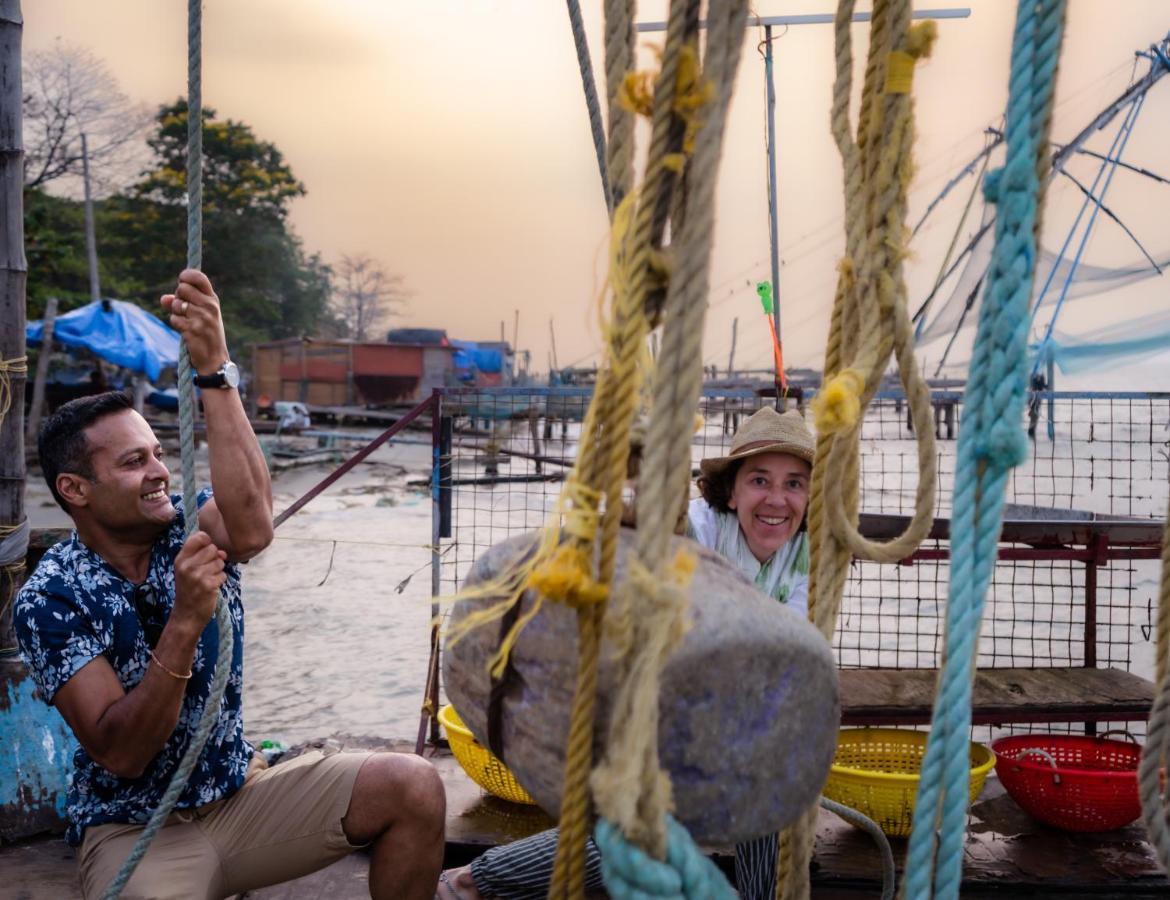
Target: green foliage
column 269, row 286
column 54, row 235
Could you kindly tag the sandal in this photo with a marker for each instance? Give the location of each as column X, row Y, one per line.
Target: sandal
column 445, row 883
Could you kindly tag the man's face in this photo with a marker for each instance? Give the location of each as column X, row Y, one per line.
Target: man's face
column 129, row 491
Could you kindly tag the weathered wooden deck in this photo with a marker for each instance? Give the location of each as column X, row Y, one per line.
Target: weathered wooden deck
column 1007, row 853
column 1076, row 694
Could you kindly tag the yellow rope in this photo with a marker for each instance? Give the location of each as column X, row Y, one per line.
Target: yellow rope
column 869, row 324
column 18, row 365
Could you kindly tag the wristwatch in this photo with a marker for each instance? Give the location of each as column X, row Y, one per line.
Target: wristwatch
column 226, row 376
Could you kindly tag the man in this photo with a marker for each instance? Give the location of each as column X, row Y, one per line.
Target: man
column 116, row 626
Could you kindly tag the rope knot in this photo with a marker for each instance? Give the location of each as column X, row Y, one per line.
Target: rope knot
column 838, row 404
column 1005, row 446
column 567, row 578
column 632, row 873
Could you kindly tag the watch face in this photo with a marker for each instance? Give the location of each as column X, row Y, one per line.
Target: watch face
column 231, row 374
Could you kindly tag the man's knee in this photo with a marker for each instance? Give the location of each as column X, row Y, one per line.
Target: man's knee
column 394, row 788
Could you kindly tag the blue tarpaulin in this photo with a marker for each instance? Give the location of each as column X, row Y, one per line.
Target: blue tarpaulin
column 123, row 334
column 470, row 355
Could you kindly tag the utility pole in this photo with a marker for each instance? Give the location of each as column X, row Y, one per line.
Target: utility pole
column 731, row 356
column 95, row 289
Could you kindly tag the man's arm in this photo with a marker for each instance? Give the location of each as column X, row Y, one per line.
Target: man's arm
column 123, row 731
column 239, row 519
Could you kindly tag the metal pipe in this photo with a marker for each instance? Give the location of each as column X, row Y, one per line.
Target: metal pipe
column 961, row 12
column 773, row 228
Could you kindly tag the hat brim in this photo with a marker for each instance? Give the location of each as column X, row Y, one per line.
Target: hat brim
column 718, row 464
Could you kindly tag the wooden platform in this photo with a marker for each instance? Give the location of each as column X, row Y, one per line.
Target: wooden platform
column 906, row 696
column 1006, row 853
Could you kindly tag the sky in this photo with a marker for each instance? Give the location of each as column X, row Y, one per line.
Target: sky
column 449, row 140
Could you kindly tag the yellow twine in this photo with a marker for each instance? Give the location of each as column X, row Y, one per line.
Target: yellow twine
column 18, row 365
column 838, row 404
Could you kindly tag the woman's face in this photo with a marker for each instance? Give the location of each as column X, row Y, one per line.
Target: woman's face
column 769, row 498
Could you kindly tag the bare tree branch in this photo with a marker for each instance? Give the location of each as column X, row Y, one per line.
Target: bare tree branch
column 68, row 91
column 365, row 296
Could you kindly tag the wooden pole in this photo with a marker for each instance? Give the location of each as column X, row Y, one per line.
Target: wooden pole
column 13, row 273
column 95, row 288
column 731, row 356
column 38, row 397
column 553, row 338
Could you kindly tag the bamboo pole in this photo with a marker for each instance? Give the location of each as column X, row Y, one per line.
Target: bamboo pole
column 13, row 273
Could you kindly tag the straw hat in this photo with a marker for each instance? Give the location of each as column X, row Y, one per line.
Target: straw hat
column 766, row 431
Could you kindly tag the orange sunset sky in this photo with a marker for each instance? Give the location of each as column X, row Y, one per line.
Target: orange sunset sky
column 449, row 139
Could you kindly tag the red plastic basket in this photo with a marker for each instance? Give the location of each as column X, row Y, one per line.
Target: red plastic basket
column 1074, row 783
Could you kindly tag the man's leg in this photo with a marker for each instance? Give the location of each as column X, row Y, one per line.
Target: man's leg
column 399, row 807
column 305, row 814
column 179, row 865
column 521, row 870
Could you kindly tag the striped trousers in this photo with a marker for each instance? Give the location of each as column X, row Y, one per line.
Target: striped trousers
column 523, row 869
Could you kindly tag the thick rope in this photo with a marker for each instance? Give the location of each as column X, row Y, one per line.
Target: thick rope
column 210, row 714
column 630, row 790
column 1156, row 752
column 584, row 61
column 870, row 322
column 991, row 442
column 617, row 397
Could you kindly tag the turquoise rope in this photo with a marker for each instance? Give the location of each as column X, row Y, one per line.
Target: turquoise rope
column 210, row 715
column 632, row 874
column 991, row 443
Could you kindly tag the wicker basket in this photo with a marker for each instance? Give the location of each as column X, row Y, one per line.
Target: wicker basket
column 1074, row 783
column 481, row 765
column 876, row 771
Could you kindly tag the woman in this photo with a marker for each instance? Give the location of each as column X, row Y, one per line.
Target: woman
column 751, row 509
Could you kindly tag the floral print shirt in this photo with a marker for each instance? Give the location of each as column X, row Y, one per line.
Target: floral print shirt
column 76, row 607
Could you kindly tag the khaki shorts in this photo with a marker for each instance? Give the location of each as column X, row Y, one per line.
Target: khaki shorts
column 283, row 823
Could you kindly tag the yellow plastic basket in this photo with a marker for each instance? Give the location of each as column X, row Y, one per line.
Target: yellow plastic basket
column 481, row 765
column 876, row 771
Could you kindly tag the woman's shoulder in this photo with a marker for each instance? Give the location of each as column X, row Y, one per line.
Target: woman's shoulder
column 702, row 522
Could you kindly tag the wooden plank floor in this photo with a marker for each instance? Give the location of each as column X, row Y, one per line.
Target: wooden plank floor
column 906, row 696
column 1006, row 853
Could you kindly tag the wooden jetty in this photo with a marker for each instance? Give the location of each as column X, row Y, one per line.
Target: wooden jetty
column 1006, row 853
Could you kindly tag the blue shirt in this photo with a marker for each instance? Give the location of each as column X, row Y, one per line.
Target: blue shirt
column 76, row 607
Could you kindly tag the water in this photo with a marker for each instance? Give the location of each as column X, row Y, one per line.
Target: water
column 338, row 607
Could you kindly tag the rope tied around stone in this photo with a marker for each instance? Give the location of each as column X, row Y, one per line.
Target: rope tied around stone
column 993, row 409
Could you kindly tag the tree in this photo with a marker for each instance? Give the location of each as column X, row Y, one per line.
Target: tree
column 270, row 287
column 365, row 296
column 69, row 92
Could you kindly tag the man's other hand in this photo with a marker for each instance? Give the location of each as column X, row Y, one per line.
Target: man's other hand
column 199, row 575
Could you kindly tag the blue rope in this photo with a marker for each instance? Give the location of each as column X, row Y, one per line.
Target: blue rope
column 991, row 443
column 632, row 874
column 210, row 715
